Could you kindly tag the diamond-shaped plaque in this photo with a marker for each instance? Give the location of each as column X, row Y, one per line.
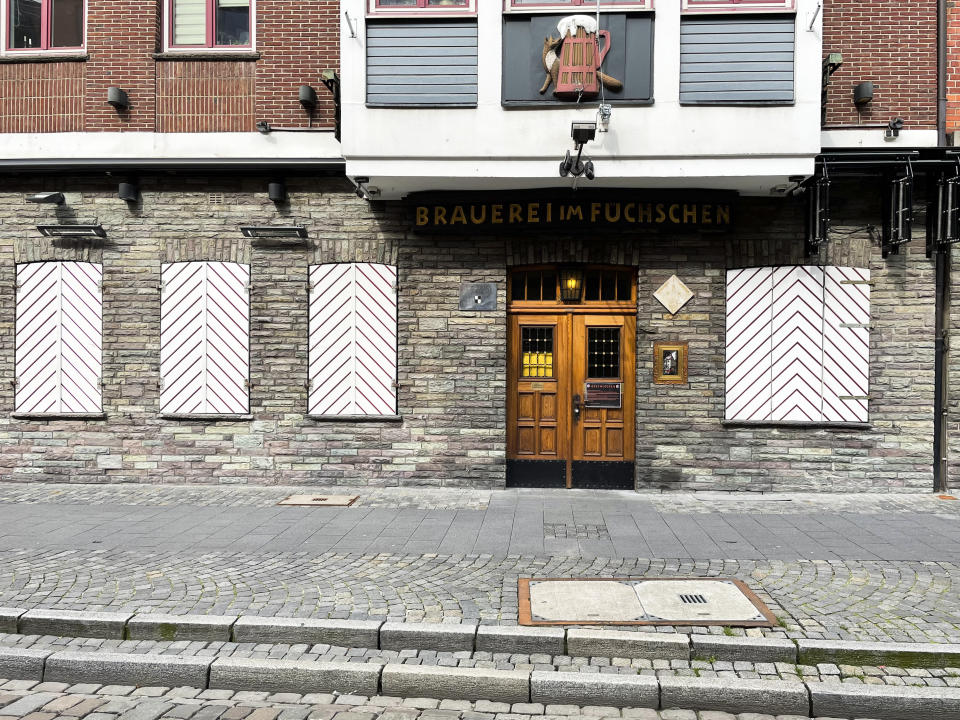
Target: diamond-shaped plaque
column 673, row 294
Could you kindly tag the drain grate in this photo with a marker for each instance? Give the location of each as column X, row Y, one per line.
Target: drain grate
column 320, row 500
column 642, row 601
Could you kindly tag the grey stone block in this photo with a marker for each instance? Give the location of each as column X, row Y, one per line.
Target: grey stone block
column 849, row 652
column 573, row 688
column 525, row 640
column 749, row 649
column 295, row 676
column 885, row 702
column 180, row 627
column 427, row 636
column 615, row 643
column 29, row 704
column 71, row 623
column 774, row 697
column 506, row 686
column 22, row 663
column 9, row 617
column 345, row 633
column 107, row 668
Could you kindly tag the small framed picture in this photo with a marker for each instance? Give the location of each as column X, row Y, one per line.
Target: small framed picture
column 670, row 363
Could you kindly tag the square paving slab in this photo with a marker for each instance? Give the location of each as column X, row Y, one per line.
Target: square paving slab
column 638, row 601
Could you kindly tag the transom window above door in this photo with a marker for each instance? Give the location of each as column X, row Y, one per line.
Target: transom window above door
column 572, row 285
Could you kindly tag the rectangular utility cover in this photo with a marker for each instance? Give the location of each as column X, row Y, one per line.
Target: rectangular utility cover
column 626, row 601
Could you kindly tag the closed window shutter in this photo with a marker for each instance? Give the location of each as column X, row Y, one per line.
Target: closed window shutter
column 797, row 347
column 749, row 344
column 205, row 338
column 353, row 339
column 846, row 344
column 189, row 22
column 59, row 338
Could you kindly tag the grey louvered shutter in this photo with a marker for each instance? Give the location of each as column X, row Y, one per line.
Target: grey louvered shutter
column 737, row 60
column 422, row 63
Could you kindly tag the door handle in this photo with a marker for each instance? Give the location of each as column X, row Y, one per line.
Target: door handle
column 576, row 408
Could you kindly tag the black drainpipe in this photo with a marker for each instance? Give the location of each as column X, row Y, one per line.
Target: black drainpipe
column 943, row 260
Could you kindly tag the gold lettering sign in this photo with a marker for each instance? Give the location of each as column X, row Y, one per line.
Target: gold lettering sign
column 663, row 211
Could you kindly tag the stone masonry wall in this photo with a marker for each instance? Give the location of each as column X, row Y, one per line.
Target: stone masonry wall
column 452, row 373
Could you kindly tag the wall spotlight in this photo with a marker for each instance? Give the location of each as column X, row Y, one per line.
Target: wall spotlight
column 46, row 197
column 263, row 127
column 277, row 191
column 893, row 129
column 128, row 191
column 118, row 98
column 308, row 97
column 863, row 94
column 582, row 133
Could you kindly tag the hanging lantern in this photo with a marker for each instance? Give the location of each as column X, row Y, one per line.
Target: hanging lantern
column 571, row 283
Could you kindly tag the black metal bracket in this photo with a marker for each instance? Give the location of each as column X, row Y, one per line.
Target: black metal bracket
column 898, row 212
column 831, row 63
column 818, row 217
column 331, row 81
column 943, row 211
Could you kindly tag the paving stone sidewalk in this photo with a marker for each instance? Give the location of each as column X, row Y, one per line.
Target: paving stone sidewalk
column 25, row 700
column 877, row 567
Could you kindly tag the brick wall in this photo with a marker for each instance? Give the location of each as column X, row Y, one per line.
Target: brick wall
column 294, row 43
column 894, row 44
column 953, row 66
column 452, row 374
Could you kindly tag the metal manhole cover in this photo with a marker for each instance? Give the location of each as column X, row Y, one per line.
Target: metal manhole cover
column 321, row 500
column 626, row 601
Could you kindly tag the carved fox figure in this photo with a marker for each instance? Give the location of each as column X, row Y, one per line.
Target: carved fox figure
column 551, row 63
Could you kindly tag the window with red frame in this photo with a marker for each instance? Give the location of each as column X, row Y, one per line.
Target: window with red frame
column 45, row 24
column 209, row 23
column 398, row 8
column 741, row 5
column 619, row 4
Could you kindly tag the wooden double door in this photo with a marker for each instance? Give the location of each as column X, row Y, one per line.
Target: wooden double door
column 571, row 397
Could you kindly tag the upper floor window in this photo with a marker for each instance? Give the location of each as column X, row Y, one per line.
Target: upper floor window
column 740, row 5
column 588, row 4
column 421, row 7
column 45, row 24
column 210, row 23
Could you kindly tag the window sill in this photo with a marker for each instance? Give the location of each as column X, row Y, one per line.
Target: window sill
column 49, row 56
column 204, row 416
column 59, row 416
column 357, row 418
column 211, row 54
column 797, row 425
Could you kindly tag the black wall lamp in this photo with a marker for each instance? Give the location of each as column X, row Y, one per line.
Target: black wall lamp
column 307, row 97
column 863, row 94
column 277, row 191
column 582, row 133
column 129, row 191
column 118, row 98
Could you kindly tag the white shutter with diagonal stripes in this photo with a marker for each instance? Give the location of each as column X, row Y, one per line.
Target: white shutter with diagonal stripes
column 846, row 344
column 353, row 339
column 59, row 338
column 205, row 338
column 797, row 348
column 798, row 344
column 749, row 337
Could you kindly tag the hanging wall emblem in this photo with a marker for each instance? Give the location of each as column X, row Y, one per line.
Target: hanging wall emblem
column 572, row 61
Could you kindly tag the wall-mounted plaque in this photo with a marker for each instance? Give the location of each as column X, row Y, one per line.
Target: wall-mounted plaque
column 670, row 363
column 603, row 395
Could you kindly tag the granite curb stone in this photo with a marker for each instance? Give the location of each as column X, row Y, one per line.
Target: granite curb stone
column 9, row 617
column 851, row 652
column 106, row 625
column 723, row 647
column 22, row 663
column 107, row 668
column 508, row 686
column 428, row 636
column 151, row 626
column 526, row 640
column 345, row 633
column 639, row 645
column 556, row 688
column 774, row 697
column 295, row 676
column 884, row 702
